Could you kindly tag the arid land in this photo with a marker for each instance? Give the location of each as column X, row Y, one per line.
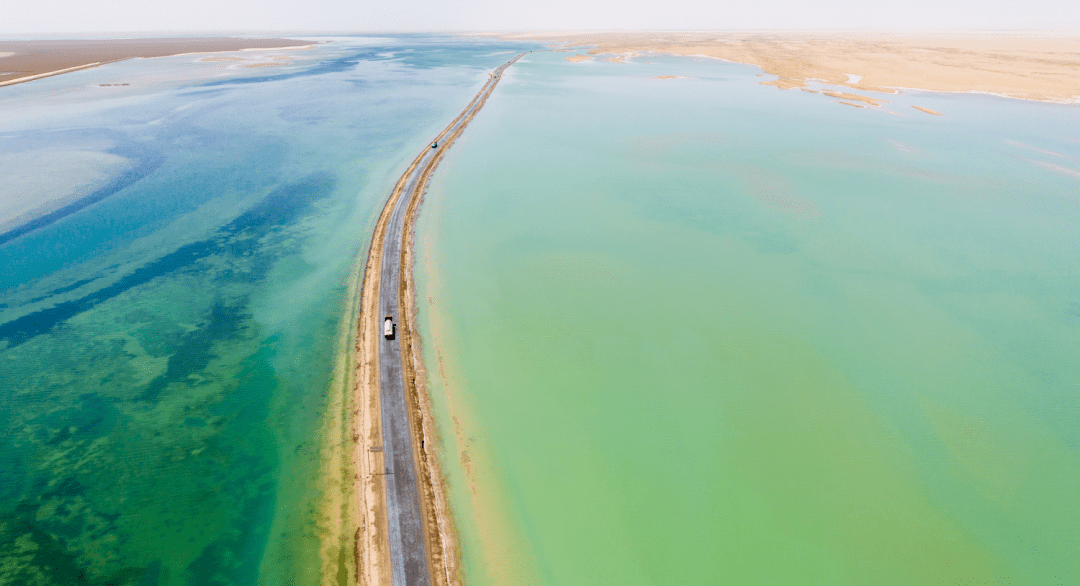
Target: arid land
column 22, row 61
column 1031, row 67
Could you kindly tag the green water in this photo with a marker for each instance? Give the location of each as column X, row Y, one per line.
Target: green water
column 703, row 331
column 167, row 350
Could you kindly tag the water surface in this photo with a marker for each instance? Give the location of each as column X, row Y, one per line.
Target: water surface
column 168, row 326
column 701, row 331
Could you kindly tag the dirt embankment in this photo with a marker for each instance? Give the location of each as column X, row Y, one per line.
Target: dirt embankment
column 439, row 532
column 370, row 551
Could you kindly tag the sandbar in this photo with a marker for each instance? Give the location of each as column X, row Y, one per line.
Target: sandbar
column 927, row 110
column 579, row 57
column 22, row 61
column 1025, row 66
column 853, row 97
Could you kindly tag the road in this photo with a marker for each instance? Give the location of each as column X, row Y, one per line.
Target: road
column 408, row 558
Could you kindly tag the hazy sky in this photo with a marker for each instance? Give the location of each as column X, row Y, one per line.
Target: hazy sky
column 43, row 16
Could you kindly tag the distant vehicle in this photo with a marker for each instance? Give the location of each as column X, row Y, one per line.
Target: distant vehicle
column 388, row 327
column 434, row 144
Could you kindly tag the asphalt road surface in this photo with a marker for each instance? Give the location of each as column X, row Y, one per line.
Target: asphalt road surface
column 408, row 557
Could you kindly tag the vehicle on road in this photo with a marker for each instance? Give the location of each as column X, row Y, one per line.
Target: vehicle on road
column 388, row 327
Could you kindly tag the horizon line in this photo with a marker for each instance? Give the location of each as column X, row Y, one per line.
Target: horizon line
column 133, row 33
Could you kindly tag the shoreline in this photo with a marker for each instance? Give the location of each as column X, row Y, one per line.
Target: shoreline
column 52, row 73
column 1013, row 65
column 40, row 59
column 337, row 510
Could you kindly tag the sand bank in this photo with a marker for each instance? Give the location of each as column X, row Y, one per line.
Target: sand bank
column 927, row 110
column 1020, row 66
column 579, row 57
column 854, row 97
column 29, row 60
column 348, row 506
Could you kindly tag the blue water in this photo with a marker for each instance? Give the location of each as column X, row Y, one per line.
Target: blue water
column 167, row 335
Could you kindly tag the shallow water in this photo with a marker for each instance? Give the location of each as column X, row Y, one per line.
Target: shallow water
column 696, row 331
column 167, row 338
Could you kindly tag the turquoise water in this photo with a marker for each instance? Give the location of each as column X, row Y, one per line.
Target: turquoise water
column 168, row 329
column 700, row 331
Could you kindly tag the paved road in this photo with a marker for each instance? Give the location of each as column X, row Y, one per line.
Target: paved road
column 408, row 557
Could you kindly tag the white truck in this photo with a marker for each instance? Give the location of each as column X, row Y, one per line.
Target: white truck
column 388, row 327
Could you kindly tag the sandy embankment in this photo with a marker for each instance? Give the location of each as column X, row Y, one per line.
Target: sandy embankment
column 353, row 520
column 357, row 512
column 365, row 494
column 23, row 61
column 1020, row 66
column 440, row 534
